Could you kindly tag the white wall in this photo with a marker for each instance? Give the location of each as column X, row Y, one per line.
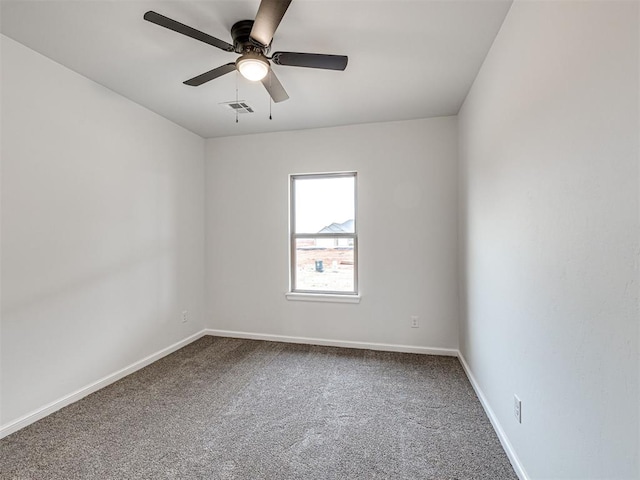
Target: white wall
column 407, row 232
column 549, row 144
column 102, row 231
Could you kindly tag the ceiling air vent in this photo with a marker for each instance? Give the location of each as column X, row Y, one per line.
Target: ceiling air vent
column 237, row 106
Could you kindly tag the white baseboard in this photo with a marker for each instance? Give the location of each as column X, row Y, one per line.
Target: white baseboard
column 502, row 436
column 42, row 412
column 386, row 347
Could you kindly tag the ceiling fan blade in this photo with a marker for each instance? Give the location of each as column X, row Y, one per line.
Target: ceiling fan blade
column 268, row 18
column 274, row 87
column 311, row 60
column 166, row 22
column 210, row 75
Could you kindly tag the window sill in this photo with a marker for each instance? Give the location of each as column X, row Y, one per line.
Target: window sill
column 322, row 297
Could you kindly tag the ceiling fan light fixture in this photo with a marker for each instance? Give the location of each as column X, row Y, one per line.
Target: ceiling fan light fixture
column 252, row 67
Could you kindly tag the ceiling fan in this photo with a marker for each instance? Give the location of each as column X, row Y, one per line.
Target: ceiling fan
column 252, row 40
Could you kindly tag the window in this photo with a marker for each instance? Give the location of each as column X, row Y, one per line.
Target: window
column 323, row 229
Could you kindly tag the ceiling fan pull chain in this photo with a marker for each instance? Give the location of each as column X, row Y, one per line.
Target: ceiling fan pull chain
column 270, row 98
column 236, row 95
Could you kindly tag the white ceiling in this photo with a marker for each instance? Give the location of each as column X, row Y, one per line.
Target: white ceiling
column 407, row 59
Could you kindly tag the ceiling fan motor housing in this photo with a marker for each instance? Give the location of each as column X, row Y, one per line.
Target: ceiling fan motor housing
column 242, row 42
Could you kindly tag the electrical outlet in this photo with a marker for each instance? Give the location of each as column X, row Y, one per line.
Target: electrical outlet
column 517, row 408
column 185, row 316
column 414, row 321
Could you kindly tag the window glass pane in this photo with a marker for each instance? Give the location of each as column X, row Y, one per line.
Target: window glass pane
column 324, row 264
column 325, row 205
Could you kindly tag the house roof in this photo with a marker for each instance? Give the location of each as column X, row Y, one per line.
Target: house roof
column 345, row 227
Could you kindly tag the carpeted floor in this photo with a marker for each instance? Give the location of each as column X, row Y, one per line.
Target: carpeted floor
column 242, row 409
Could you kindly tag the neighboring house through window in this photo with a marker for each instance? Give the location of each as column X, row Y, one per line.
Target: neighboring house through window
column 323, row 233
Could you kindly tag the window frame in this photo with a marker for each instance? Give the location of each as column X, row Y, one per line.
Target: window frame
column 293, row 237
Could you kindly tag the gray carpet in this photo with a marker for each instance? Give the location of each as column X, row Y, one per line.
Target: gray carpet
column 241, row 409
